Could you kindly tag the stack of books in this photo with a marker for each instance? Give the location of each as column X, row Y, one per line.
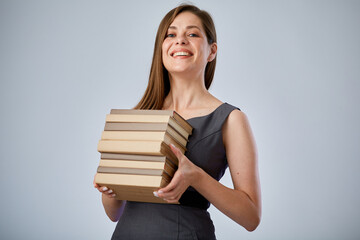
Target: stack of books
column 136, row 159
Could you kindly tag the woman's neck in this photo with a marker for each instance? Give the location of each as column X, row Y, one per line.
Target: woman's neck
column 186, row 93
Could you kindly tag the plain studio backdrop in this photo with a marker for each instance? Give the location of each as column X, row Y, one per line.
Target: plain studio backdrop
column 292, row 66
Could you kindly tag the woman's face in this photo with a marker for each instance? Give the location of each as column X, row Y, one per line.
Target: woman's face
column 185, row 48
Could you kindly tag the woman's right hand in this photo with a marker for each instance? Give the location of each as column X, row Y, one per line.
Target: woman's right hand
column 104, row 190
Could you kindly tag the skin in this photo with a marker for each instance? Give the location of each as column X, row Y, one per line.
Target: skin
column 189, row 97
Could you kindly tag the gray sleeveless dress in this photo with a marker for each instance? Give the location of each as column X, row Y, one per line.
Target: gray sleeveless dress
column 189, row 219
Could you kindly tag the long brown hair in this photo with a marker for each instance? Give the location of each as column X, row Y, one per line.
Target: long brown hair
column 159, row 83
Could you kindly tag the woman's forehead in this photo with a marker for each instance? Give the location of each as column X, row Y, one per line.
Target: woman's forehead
column 186, row 20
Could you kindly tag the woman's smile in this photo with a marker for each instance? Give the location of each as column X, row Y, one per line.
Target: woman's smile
column 181, row 53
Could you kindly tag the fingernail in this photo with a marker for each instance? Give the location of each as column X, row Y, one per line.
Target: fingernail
column 160, row 192
column 113, row 195
column 155, row 194
column 173, row 145
column 104, row 188
column 110, row 191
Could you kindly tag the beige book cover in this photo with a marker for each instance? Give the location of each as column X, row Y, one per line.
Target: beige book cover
column 170, row 158
column 147, row 126
column 131, row 164
column 173, row 114
column 142, row 136
column 135, row 147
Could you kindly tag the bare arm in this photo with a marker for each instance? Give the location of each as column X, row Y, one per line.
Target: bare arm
column 243, row 203
column 113, row 208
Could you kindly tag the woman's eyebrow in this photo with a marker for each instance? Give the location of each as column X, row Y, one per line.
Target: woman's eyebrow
column 188, row 27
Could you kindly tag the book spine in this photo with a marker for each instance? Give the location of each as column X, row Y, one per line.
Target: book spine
column 137, row 118
column 151, row 172
column 166, row 166
column 137, row 157
column 111, row 126
column 134, row 147
column 133, row 135
column 104, row 179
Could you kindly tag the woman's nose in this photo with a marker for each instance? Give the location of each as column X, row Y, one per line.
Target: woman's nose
column 181, row 40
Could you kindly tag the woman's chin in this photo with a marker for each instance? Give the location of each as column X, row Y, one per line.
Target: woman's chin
column 180, row 70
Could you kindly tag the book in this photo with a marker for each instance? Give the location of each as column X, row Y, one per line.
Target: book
column 170, row 159
column 143, row 136
column 130, row 164
column 136, row 115
column 140, row 195
column 132, row 187
column 135, row 147
column 136, row 171
column 139, row 171
column 135, row 126
column 131, row 180
column 171, row 113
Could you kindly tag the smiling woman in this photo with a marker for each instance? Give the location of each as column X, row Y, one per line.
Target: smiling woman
column 182, row 71
column 185, row 47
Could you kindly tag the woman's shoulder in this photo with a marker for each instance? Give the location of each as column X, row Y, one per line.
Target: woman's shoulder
column 233, row 116
column 237, row 117
column 236, row 128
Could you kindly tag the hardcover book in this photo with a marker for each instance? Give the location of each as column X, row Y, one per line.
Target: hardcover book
column 172, row 114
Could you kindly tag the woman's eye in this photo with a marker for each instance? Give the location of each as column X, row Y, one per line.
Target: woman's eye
column 170, row 35
column 193, row 35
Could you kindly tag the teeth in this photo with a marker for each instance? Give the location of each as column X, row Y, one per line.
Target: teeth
column 181, row 54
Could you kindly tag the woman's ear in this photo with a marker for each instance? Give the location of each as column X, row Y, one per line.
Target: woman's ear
column 213, row 49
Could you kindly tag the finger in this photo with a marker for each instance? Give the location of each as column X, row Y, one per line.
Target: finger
column 108, row 192
column 113, row 195
column 161, row 192
column 176, row 151
column 173, row 183
column 171, row 195
column 104, row 190
column 169, row 187
column 176, row 200
column 172, row 201
column 94, row 183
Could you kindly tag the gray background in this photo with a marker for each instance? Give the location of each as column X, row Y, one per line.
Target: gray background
column 292, row 66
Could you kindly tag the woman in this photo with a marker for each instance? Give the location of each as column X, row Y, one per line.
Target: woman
column 182, row 70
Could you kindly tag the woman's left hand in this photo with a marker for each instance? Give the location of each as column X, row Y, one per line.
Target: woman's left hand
column 184, row 177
